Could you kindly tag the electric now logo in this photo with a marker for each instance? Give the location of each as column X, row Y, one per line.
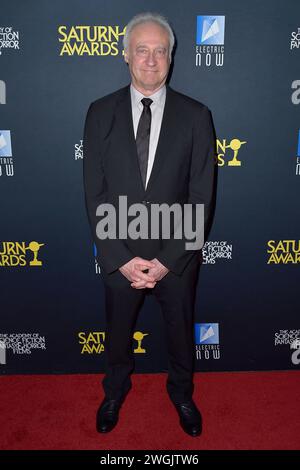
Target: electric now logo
column 210, row 38
column 210, row 30
column 207, row 341
column 207, row 333
column 5, row 144
column 2, row 353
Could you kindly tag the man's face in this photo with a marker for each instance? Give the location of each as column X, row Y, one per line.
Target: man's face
column 148, row 57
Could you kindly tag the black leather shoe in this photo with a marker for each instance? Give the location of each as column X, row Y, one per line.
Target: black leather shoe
column 108, row 415
column 190, row 418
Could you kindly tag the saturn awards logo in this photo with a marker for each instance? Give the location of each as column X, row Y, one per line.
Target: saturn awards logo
column 15, row 254
column 93, row 342
column 86, row 40
column 228, row 153
column 283, row 252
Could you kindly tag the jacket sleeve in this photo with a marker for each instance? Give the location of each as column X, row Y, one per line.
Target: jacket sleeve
column 111, row 253
column 174, row 254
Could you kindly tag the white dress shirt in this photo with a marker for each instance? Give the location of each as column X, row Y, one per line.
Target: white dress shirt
column 157, row 109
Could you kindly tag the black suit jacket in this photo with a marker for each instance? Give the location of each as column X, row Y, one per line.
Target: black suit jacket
column 183, row 171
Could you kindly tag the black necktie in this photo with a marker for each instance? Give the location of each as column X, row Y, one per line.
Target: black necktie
column 143, row 137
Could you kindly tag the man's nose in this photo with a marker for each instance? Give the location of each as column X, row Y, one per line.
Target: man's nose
column 151, row 58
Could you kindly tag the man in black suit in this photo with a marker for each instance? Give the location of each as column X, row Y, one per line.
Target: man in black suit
column 153, row 145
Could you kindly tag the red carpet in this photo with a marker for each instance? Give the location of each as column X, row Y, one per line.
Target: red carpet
column 256, row 410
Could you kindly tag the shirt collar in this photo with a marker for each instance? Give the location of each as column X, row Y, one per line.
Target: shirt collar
column 157, row 97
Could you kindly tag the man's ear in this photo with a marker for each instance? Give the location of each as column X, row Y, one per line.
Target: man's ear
column 126, row 56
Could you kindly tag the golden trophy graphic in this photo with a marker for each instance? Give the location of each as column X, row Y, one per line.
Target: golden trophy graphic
column 235, row 145
column 138, row 336
column 34, row 247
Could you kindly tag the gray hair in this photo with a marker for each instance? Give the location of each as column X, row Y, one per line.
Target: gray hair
column 149, row 17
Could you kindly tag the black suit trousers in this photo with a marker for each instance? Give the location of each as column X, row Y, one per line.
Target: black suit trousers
column 176, row 297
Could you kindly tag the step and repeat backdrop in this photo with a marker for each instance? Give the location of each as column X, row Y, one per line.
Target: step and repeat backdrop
column 242, row 59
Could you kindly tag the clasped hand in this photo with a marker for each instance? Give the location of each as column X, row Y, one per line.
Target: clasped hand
column 133, row 271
